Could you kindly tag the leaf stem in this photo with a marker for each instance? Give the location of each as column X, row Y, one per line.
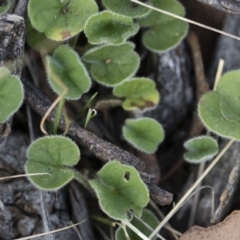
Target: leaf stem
column 83, row 180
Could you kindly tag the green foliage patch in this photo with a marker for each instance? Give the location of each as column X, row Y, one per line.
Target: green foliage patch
column 11, row 94
column 119, row 188
column 200, row 149
column 111, row 65
column 53, row 155
column 109, row 28
column 66, row 66
column 139, row 93
column 164, row 32
column 144, row 134
column 219, row 110
column 60, row 20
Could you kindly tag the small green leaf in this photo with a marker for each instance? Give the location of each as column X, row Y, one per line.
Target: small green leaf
column 139, row 93
column 11, row 94
column 164, row 32
column 148, row 217
column 60, row 19
column 5, row 5
column 112, row 64
column 109, row 27
column 66, row 66
column 219, row 110
column 119, row 188
column 126, row 8
column 200, row 149
column 53, row 155
column 144, row 134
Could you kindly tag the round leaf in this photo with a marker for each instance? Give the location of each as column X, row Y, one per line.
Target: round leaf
column 213, row 107
column 60, row 19
column 66, row 66
column 148, row 217
column 119, row 188
column 109, row 27
column 127, row 8
column 139, row 93
column 11, row 94
column 112, row 64
column 164, row 32
column 53, row 155
column 200, row 149
column 144, row 134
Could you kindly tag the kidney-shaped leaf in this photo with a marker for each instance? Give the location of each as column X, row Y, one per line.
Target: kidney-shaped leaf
column 127, row 8
column 148, row 217
column 200, row 149
column 111, row 65
column 52, row 155
column 144, row 134
column 219, row 110
column 11, row 94
column 164, row 32
column 60, row 20
column 66, row 66
column 119, row 188
column 139, row 93
column 109, row 27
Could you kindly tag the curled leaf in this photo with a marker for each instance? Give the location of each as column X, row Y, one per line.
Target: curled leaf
column 109, row 28
column 144, row 134
column 200, row 149
column 65, row 66
column 139, row 93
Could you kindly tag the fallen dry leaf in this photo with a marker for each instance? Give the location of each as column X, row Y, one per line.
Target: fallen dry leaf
column 229, row 229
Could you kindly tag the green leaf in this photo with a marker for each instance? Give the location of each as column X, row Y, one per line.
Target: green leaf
column 219, row 110
column 164, row 32
column 66, row 66
column 11, row 94
column 60, row 19
column 5, row 5
column 53, row 155
column 144, row 134
column 148, row 217
column 139, row 93
column 119, row 188
column 200, row 149
column 127, row 8
column 112, row 64
column 109, row 27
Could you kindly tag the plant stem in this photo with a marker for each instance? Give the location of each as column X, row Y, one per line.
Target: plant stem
column 186, row 195
column 57, row 117
column 83, row 180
